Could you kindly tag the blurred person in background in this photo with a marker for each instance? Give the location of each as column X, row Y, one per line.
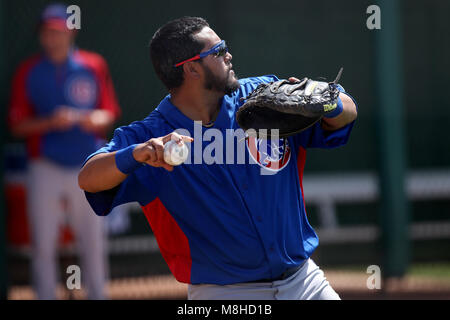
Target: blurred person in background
column 62, row 103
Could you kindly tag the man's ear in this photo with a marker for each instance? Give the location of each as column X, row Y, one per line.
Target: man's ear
column 192, row 70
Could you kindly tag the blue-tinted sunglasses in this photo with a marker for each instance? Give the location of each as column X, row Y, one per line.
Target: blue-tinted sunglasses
column 218, row 50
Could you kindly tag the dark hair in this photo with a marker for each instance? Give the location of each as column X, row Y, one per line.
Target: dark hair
column 173, row 43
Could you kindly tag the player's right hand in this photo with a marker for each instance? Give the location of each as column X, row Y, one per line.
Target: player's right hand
column 151, row 152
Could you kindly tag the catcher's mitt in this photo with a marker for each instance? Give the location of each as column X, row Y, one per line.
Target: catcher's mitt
column 290, row 107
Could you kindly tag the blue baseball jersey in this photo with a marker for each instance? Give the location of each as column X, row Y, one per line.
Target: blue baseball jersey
column 227, row 221
column 40, row 87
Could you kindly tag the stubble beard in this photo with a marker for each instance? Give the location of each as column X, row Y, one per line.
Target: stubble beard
column 226, row 86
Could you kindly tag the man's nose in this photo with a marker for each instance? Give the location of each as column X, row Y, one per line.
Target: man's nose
column 228, row 57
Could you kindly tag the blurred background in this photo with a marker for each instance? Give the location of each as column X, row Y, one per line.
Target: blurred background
column 384, row 199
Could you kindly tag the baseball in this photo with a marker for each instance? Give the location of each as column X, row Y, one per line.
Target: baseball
column 175, row 154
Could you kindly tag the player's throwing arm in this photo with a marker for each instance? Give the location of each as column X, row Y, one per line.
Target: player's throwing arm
column 105, row 171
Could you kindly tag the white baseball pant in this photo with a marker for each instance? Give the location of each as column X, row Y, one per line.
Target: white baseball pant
column 47, row 184
column 307, row 283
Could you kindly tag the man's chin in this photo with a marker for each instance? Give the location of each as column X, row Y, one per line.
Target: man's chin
column 232, row 88
column 233, row 84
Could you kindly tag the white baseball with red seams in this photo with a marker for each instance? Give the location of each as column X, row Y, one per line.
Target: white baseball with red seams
column 175, row 154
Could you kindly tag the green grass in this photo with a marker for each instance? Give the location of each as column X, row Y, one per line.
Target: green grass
column 424, row 270
column 432, row 270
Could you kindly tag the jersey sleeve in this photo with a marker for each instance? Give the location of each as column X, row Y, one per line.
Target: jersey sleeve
column 137, row 187
column 108, row 99
column 20, row 106
column 107, row 95
column 250, row 84
column 317, row 137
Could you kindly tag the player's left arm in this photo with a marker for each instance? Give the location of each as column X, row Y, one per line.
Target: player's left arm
column 348, row 114
column 108, row 110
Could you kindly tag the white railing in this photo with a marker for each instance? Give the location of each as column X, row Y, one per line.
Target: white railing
column 327, row 190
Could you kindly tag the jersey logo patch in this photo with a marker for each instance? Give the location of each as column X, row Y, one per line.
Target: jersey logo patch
column 269, row 154
column 81, row 91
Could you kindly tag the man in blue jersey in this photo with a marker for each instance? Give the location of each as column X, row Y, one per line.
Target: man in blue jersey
column 225, row 227
column 62, row 103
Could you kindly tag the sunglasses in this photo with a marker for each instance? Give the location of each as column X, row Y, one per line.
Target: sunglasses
column 219, row 50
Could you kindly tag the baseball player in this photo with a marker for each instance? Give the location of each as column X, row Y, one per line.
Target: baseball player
column 62, row 101
column 226, row 229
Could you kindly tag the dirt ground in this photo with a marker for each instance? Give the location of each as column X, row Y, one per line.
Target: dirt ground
column 349, row 285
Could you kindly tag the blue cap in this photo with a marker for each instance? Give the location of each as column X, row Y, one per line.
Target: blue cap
column 54, row 16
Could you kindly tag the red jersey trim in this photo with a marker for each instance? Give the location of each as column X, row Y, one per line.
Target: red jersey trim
column 172, row 241
column 20, row 106
column 107, row 97
column 301, row 160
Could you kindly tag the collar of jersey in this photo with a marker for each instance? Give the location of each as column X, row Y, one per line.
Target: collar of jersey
column 178, row 120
